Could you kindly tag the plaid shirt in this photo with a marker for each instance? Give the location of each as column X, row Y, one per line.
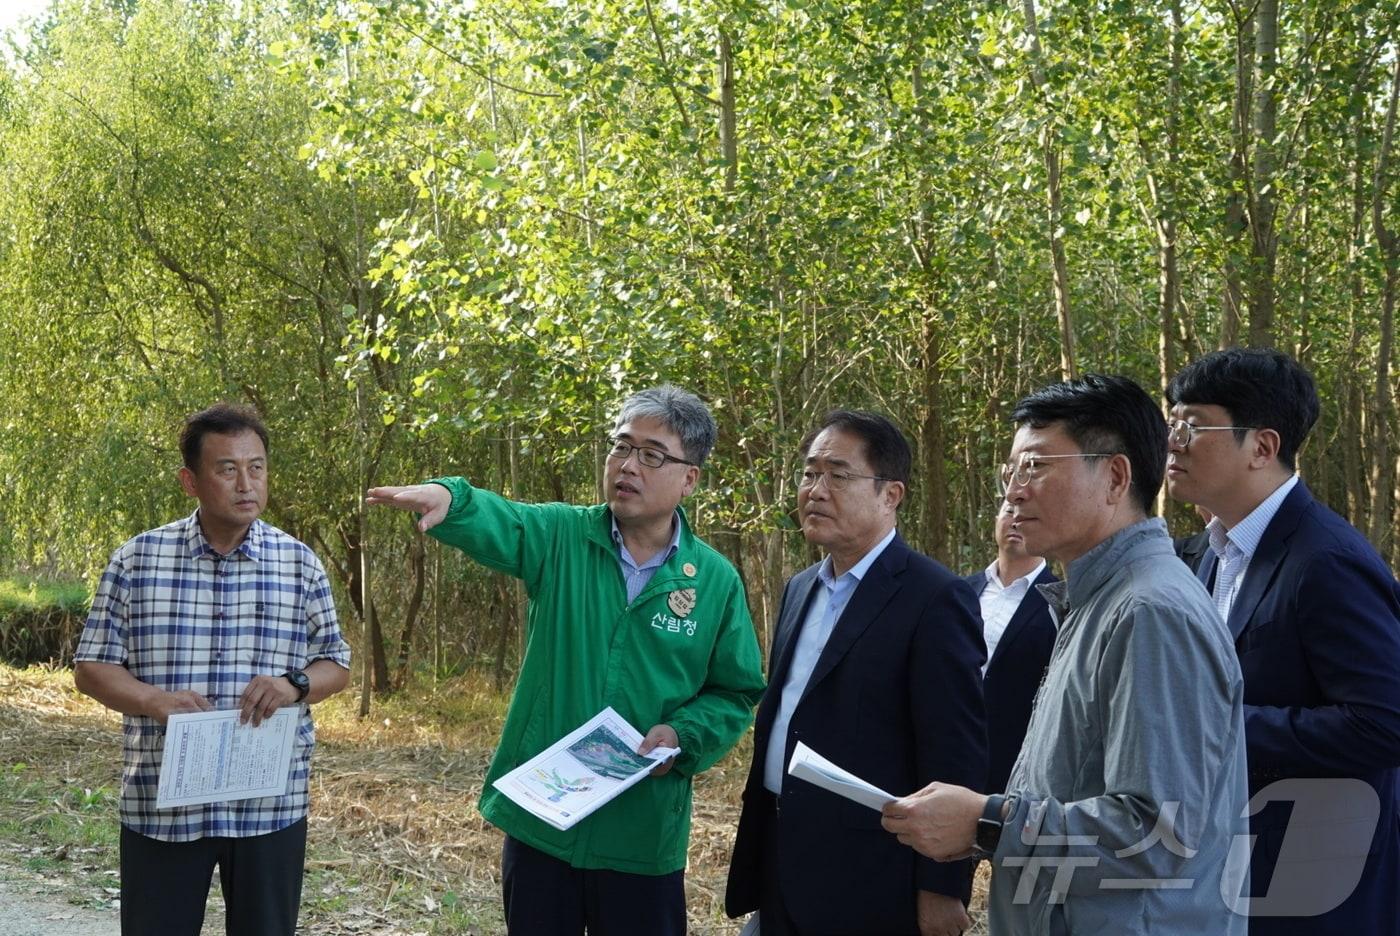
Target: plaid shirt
column 182, row 617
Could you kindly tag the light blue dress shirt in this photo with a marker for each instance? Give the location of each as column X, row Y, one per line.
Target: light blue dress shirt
column 636, row 576
column 828, row 602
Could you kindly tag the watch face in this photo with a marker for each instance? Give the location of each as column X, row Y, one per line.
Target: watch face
column 301, row 681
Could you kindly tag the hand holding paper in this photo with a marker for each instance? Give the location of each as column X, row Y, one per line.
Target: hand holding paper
column 807, row 764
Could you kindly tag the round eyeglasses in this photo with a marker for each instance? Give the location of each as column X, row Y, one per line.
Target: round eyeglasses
column 1029, row 468
column 1180, row 432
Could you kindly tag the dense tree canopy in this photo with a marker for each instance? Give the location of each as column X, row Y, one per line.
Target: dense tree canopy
column 430, row 237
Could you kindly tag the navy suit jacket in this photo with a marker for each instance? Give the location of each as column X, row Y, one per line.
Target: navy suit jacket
column 1317, row 629
column 895, row 698
column 1013, row 677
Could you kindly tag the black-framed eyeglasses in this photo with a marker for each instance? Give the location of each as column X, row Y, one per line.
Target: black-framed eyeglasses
column 649, row 457
column 836, row 479
column 1029, row 468
column 1180, row 432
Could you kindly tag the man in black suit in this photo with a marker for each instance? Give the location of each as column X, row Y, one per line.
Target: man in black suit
column 1019, row 633
column 1192, row 549
column 876, row 665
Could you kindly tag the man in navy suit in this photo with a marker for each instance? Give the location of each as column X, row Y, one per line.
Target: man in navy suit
column 1019, row 633
column 876, row 664
column 1315, row 614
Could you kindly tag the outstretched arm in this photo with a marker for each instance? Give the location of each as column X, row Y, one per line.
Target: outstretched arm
column 430, row 500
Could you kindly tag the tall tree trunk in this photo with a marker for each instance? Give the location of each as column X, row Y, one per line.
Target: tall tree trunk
column 1059, row 262
column 1164, row 192
column 1382, row 521
column 1050, row 147
column 1263, row 207
column 418, row 554
column 1350, row 374
column 1235, row 215
column 728, row 115
column 1162, row 185
column 932, row 448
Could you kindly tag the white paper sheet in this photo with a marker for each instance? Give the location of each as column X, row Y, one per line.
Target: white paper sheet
column 807, row 764
column 581, row 771
column 210, row 758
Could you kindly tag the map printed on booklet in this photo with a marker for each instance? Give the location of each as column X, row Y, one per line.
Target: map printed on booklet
column 581, row 771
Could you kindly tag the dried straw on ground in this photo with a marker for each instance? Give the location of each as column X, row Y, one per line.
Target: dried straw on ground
column 396, row 844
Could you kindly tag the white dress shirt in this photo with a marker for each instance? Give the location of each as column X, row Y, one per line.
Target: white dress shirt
column 829, row 599
column 1236, row 546
column 999, row 603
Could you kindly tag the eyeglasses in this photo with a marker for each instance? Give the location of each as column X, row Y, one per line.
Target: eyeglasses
column 1028, row 468
column 649, row 457
column 1180, row 432
column 807, row 478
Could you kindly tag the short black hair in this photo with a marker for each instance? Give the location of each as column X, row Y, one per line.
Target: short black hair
column 222, row 419
column 1108, row 415
column 1259, row 387
column 886, row 448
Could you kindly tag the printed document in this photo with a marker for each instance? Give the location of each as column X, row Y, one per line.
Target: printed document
column 807, row 764
column 211, row 758
column 581, row 771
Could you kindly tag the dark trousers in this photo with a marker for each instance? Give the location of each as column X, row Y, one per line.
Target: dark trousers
column 548, row 897
column 165, row 884
column 773, row 918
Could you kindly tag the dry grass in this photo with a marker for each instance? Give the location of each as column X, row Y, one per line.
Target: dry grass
column 396, row 844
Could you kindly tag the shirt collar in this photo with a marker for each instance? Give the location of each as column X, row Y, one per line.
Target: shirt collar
column 199, row 546
column 675, row 535
column 1246, row 534
column 860, row 568
column 1089, row 572
column 995, row 578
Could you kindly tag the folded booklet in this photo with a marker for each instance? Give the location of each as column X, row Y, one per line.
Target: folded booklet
column 807, row 764
column 581, row 771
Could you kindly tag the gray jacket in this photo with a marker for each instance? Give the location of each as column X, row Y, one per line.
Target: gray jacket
column 1132, row 775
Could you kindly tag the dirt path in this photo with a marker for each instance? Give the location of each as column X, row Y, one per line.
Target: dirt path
column 26, row 910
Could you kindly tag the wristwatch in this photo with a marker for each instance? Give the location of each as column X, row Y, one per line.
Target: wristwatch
column 299, row 681
column 990, row 825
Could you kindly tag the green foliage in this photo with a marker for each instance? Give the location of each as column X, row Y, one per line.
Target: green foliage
column 429, row 237
column 36, row 595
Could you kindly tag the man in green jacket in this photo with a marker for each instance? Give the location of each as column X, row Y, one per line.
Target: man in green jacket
column 628, row 609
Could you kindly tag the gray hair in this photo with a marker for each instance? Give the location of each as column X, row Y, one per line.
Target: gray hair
column 678, row 410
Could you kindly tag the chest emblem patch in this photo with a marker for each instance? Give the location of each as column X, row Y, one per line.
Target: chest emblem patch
column 681, row 602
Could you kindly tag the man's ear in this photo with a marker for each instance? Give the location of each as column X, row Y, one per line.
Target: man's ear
column 187, row 480
column 1120, row 478
column 692, row 478
column 894, row 494
column 1265, row 448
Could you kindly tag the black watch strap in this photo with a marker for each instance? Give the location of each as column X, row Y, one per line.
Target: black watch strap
column 990, row 825
column 300, row 681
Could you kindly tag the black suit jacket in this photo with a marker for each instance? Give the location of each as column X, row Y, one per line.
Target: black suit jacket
column 1317, row 630
column 895, row 698
column 1192, row 549
column 1013, row 676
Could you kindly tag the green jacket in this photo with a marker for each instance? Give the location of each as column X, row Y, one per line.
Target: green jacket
column 587, row 648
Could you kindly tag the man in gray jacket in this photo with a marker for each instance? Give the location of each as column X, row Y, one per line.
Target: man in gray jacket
column 1124, row 812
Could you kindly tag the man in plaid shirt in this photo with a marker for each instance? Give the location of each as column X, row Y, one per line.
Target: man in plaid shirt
column 215, row 611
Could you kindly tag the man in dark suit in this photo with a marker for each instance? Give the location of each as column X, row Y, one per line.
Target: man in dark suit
column 876, row 665
column 1192, row 549
column 1315, row 614
column 1019, row 633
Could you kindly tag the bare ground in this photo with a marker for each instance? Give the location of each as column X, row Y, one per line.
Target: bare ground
column 396, row 846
